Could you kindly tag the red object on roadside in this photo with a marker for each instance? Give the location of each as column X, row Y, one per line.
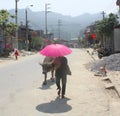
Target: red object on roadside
column 93, row 36
column 16, row 53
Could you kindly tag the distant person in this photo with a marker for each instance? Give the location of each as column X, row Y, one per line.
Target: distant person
column 16, row 53
column 61, row 72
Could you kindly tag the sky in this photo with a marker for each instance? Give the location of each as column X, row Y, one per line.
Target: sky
column 65, row 7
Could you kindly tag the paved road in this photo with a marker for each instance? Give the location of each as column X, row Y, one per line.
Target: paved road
column 22, row 93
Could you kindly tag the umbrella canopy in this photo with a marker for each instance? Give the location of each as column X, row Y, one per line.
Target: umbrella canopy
column 55, row 50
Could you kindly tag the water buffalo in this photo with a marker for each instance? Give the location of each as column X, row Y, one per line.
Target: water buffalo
column 48, row 66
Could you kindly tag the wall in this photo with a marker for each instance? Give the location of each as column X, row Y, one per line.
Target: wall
column 117, row 39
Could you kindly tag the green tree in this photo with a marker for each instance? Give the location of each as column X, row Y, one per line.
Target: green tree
column 37, row 42
column 6, row 27
column 105, row 27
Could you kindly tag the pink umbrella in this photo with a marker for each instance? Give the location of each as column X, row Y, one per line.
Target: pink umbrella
column 55, row 50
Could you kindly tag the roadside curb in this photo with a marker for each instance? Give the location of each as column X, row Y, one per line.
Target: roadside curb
column 112, row 85
column 116, row 86
column 12, row 58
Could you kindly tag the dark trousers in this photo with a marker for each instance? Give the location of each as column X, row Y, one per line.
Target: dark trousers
column 62, row 79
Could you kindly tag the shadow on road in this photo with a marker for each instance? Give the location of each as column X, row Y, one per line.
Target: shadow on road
column 48, row 85
column 55, row 106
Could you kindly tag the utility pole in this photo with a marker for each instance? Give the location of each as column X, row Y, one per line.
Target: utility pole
column 27, row 30
column 16, row 21
column 46, row 12
column 103, row 14
column 103, row 41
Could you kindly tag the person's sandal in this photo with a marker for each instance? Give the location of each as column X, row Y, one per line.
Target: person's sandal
column 58, row 92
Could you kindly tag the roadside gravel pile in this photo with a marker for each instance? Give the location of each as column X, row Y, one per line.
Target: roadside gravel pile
column 25, row 53
column 22, row 53
column 112, row 63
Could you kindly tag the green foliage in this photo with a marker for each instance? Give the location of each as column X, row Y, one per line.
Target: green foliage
column 37, row 41
column 7, row 26
column 106, row 26
column 10, row 28
column 4, row 15
column 84, row 42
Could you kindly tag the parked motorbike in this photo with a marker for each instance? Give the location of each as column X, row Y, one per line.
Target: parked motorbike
column 102, row 52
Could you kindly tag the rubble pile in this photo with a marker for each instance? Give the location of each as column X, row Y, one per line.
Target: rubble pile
column 112, row 63
column 25, row 53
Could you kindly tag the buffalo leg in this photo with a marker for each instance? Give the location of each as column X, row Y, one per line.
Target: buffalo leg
column 45, row 79
column 52, row 74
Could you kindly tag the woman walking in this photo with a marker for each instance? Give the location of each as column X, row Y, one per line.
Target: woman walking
column 62, row 69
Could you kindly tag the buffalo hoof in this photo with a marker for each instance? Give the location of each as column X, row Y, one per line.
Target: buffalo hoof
column 44, row 83
column 52, row 79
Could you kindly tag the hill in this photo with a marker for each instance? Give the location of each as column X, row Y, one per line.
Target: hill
column 69, row 26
